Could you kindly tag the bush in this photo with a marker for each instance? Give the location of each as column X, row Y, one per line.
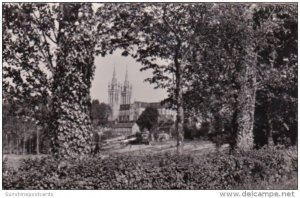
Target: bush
column 158, row 171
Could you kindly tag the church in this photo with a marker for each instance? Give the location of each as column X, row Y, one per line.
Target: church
column 118, row 94
column 123, row 110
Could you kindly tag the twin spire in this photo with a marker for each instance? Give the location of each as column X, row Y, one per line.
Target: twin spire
column 118, row 94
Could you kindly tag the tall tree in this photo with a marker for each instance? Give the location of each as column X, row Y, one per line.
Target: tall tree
column 48, row 50
column 237, row 61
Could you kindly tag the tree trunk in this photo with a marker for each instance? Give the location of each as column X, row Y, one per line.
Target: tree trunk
column 18, row 146
column 24, row 146
column 179, row 102
column 247, row 84
column 37, row 142
column 218, row 131
column 30, row 146
column 32, row 143
column 179, row 127
column 24, row 139
column 234, row 129
column 71, row 126
column 246, row 103
column 10, row 144
column 269, row 125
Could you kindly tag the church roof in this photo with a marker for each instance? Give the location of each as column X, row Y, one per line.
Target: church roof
column 149, row 104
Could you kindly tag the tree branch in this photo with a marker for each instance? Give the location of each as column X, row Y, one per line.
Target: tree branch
column 169, row 26
column 51, row 38
column 48, row 51
column 45, row 40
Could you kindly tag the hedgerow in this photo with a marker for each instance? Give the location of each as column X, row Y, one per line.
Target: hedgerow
column 157, row 171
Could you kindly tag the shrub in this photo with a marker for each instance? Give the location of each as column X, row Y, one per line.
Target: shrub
column 158, row 171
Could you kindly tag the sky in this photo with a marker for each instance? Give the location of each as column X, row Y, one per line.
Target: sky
column 141, row 91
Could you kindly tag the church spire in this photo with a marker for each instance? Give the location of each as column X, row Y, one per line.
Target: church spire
column 126, row 81
column 113, row 95
column 126, row 77
column 114, row 78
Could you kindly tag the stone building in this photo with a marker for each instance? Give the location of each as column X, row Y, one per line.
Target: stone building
column 131, row 112
column 119, row 99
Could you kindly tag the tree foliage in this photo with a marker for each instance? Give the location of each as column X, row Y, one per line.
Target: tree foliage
column 49, row 51
column 100, row 112
column 276, row 118
column 216, row 75
column 148, row 119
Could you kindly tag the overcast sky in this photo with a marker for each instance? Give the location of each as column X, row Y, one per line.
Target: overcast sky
column 142, row 91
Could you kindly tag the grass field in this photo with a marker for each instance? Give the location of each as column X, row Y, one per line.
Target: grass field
column 196, row 147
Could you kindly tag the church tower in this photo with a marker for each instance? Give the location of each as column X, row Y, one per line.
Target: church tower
column 114, row 89
column 126, row 90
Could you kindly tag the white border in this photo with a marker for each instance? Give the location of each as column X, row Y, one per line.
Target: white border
column 138, row 193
